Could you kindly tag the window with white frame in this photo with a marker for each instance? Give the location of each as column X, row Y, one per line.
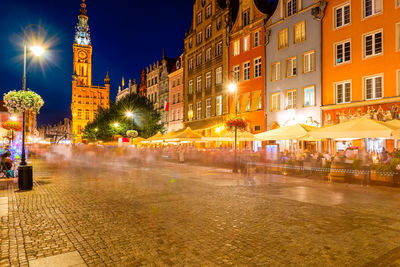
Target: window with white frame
column 398, row 36
column 179, row 98
column 275, row 102
column 199, row 57
column 299, row 30
column 190, row 112
column 342, row 15
column 275, row 71
column 198, row 88
column 208, row 54
column 309, row 96
column 291, row 67
column 257, row 67
column 343, row 92
column 246, row 43
column 219, row 105
column 208, row 80
column 199, row 37
column 291, row 99
column 208, row 11
column 178, row 115
column 199, row 18
column 283, row 38
column 218, row 49
column 291, row 7
column 373, row 87
column 236, row 47
column 256, row 38
column 343, row 52
column 198, row 113
column 218, row 75
column 173, row 115
column 208, row 108
column 236, row 73
column 173, row 99
column 208, row 32
column 309, row 62
column 372, row 7
column 190, row 87
column 373, row 44
column 246, row 71
column 190, row 64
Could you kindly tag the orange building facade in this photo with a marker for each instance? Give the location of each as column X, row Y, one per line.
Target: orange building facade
column 246, row 65
column 361, row 60
column 86, row 98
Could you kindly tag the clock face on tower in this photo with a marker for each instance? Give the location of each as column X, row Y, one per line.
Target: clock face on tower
column 82, row 55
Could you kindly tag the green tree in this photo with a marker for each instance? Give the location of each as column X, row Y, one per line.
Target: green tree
column 132, row 112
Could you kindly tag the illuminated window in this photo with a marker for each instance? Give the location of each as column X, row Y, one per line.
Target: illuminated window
column 219, row 105
column 397, row 3
column 190, row 87
column 236, row 48
column 373, row 87
column 208, row 108
column 208, row 80
column 246, row 43
column 309, row 96
column 291, row 99
column 291, row 67
column 246, row 71
column 198, row 113
column 199, row 57
column 257, row 67
column 236, row 73
column 190, row 112
column 309, row 62
column 342, row 15
column 87, row 115
column 373, row 44
column 79, row 114
column 299, row 30
column 256, row 38
column 218, row 75
column 190, row 64
column 283, row 38
column 275, row 71
column 275, row 102
column 342, row 52
column 198, row 88
column 199, row 37
column 343, row 92
column 291, row 7
column 372, row 7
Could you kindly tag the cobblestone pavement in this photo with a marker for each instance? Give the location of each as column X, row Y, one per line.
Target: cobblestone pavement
column 179, row 215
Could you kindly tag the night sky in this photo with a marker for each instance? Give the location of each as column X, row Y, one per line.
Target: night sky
column 126, row 37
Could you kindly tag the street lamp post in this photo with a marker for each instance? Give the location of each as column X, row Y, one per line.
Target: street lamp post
column 233, row 88
column 25, row 177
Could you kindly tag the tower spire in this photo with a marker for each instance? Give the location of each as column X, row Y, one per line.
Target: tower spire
column 82, row 31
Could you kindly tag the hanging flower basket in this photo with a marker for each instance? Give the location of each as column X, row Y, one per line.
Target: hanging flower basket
column 12, row 125
column 20, row 101
column 238, row 122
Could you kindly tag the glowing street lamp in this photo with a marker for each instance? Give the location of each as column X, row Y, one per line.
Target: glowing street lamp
column 25, row 172
column 116, row 124
column 129, row 114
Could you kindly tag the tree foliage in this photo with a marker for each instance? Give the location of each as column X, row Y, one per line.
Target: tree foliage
column 114, row 121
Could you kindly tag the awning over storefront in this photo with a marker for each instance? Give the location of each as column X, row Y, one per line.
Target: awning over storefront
column 290, row 132
column 229, row 136
column 357, row 129
column 186, row 135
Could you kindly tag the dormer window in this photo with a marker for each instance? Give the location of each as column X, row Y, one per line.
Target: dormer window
column 246, row 17
column 291, row 7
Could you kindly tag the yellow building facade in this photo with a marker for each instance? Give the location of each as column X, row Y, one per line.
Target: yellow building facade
column 86, row 98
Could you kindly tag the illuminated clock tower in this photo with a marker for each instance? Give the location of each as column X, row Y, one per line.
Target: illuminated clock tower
column 86, row 98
